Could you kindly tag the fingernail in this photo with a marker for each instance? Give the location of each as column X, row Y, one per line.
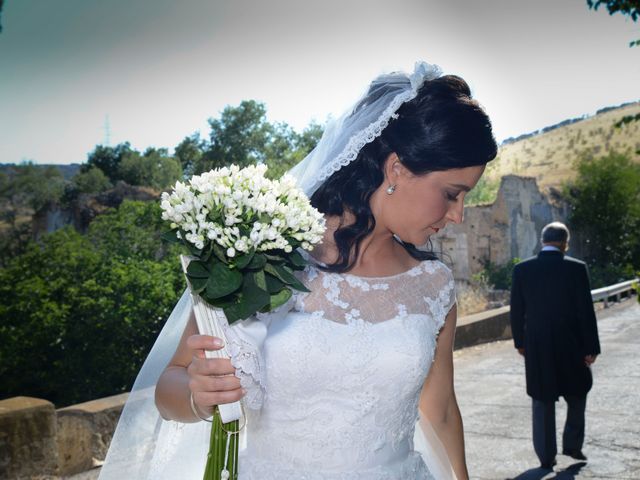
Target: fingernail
column 218, row 342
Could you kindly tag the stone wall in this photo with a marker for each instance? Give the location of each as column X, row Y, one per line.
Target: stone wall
column 508, row 228
column 37, row 441
column 27, row 438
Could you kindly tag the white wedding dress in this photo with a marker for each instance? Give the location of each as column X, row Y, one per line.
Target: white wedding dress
column 332, row 389
column 344, row 372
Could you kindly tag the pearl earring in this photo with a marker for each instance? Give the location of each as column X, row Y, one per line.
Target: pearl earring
column 391, row 189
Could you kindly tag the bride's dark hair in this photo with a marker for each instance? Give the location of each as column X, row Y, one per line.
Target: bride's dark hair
column 442, row 128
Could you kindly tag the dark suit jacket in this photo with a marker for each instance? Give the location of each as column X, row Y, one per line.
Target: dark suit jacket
column 552, row 318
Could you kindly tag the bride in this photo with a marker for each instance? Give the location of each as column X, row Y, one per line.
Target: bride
column 353, row 380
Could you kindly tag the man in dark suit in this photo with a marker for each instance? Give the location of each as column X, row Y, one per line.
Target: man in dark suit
column 554, row 327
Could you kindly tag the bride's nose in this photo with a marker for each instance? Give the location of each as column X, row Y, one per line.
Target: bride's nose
column 455, row 213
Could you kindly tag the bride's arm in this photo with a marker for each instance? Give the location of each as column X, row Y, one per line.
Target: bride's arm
column 438, row 400
column 211, row 380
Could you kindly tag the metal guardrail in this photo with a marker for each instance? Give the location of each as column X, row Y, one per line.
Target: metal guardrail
column 605, row 293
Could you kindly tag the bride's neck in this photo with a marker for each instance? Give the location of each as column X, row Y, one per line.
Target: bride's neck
column 374, row 249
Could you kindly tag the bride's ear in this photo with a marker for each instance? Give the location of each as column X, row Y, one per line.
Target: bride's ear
column 393, row 168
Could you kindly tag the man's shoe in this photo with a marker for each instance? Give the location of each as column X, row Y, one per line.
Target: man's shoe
column 577, row 454
column 549, row 466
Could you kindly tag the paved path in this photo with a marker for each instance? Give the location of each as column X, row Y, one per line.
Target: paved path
column 496, row 411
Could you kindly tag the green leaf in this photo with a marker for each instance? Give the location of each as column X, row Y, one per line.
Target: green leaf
column 170, row 236
column 260, row 280
column 296, row 259
column 265, row 218
column 219, row 252
column 286, row 275
column 274, row 285
column 280, row 298
column 242, row 261
column 198, row 284
column 206, row 255
column 275, row 259
column 223, row 281
column 197, row 269
column 196, row 252
column 252, row 299
column 258, row 261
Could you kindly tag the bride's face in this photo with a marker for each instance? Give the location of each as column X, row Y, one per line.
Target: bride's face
column 420, row 205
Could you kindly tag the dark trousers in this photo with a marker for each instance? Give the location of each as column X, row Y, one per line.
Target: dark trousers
column 544, row 427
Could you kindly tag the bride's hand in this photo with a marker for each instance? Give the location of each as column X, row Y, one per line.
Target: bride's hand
column 212, row 380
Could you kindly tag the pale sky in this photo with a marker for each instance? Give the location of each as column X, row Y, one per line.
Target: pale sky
column 160, row 68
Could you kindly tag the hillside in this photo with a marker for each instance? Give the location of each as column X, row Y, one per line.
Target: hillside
column 550, row 156
column 67, row 171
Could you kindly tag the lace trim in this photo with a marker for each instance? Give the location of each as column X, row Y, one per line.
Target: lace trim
column 248, row 362
column 360, row 139
column 440, row 306
column 373, row 130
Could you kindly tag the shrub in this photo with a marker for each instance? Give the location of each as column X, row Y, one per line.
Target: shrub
column 497, row 276
column 78, row 318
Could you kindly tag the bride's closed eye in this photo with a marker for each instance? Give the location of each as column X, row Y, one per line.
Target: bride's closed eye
column 452, row 197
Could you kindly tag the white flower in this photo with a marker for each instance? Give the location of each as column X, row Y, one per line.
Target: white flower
column 214, row 206
column 231, row 252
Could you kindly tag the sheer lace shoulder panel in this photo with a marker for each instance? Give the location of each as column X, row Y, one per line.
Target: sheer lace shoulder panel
column 426, row 289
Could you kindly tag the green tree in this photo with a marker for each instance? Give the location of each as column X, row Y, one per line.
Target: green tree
column 189, row 153
column 631, row 9
column 287, row 147
column 628, row 8
column 153, row 169
column 239, row 136
column 108, row 159
column 133, row 230
column 31, row 186
column 24, row 189
column 605, row 210
column 484, row 192
column 92, row 180
column 80, row 313
column 243, row 135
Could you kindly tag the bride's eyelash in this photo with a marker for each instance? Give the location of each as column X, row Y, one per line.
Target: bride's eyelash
column 451, row 197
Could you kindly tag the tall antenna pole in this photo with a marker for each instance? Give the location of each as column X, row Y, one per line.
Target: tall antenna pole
column 107, row 131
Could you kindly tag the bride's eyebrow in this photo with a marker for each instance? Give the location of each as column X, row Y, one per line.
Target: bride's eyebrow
column 461, row 186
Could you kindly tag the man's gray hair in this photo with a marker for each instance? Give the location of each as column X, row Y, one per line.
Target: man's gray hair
column 555, row 232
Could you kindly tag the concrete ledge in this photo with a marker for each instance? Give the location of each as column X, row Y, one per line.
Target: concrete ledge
column 27, row 438
column 85, row 431
column 483, row 327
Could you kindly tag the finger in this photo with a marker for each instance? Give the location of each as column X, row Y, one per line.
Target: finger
column 208, row 384
column 221, row 383
column 209, row 399
column 204, row 342
column 212, row 366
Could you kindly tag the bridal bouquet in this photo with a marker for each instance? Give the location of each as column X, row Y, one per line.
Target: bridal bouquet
column 241, row 231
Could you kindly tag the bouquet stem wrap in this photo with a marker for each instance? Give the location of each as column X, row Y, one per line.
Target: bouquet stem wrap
column 223, row 447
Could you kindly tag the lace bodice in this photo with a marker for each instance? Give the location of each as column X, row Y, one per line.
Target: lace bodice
column 340, row 375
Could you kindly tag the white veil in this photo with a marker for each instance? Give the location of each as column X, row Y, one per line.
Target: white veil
column 144, row 445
